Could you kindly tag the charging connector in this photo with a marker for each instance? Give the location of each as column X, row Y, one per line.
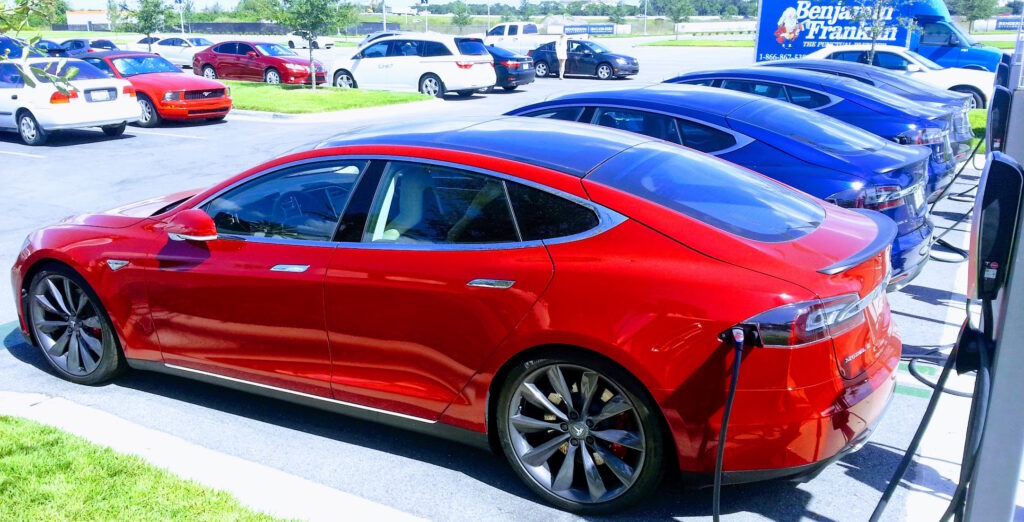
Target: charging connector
column 737, row 335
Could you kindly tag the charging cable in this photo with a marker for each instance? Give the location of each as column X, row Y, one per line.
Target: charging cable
column 737, row 339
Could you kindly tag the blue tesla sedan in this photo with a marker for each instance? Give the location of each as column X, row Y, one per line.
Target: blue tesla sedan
column 817, row 154
column 874, row 110
column 957, row 103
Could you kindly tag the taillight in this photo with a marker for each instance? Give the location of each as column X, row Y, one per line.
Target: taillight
column 510, row 64
column 464, row 65
column 809, row 321
column 529, row 53
column 59, row 97
column 128, row 91
column 873, row 197
column 925, row 136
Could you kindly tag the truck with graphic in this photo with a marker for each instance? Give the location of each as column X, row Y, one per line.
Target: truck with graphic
column 793, row 28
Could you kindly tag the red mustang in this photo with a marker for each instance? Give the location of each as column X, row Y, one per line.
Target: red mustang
column 255, row 61
column 566, row 307
column 164, row 91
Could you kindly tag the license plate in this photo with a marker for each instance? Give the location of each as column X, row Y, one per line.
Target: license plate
column 526, row 66
column 100, row 96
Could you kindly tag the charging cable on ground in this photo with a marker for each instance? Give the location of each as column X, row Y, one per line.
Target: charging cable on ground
column 961, row 254
column 737, row 339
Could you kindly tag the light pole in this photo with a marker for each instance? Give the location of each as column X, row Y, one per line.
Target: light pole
column 383, row 15
column 181, row 15
column 645, row 17
column 488, row 14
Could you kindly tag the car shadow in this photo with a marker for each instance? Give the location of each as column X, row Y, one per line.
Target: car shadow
column 182, row 124
column 778, row 500
column 65, row 138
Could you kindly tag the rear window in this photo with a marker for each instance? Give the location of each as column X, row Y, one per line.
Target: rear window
column 76, row 69
column 712, row 191
column 812, row 128
column 564, row 113
column 529, row 29
column 542, row 215
column 102, row 44
column 471, row 46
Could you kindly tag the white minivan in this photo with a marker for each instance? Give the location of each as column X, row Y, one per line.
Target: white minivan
column 33, row 106
column 432, row 64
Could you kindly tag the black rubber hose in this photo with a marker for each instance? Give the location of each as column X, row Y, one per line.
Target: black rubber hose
column 908, row 457
column 720, row 457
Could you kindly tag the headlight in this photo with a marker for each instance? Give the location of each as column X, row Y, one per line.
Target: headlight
column 172, row 95
column 620, row 61
column 227, row 92
column 295, row 67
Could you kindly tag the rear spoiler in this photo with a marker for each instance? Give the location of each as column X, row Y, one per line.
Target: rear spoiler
column 886, row 234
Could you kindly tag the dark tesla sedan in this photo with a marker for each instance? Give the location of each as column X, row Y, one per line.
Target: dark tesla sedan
column 511, row 69
column 585, row 58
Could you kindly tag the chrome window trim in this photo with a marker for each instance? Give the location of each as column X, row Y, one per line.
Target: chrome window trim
column 742, row 140
column 835, row 99
column 607, row 219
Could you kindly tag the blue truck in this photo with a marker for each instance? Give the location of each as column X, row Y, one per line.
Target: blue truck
column 792, row 28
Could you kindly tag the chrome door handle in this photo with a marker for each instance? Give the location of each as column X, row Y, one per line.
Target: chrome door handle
column 292, row 269
column 501, row 284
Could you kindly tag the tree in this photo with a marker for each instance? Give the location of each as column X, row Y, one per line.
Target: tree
column 526, row 9
column 618, row 14
column 313, row 18
column 678, row 11
column 460, row 14
column 1016, row 6
column 188, row 12
column 150, row 17
column 115, row 12
column 49, row 12
column 973, row 10
column 880, row 20
column 730, row 10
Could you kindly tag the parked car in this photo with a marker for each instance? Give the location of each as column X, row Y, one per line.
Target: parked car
column 567, row 305
column 255, row 61
column 511, row 69
column 36, row 108
column 433, row 64
column 372, row 37
column 517, row 37
column 806, row 150
column 180, row 51
column 959, row 104
column 144, row 44
column 164, row 91
column 874, row 110
column 301, row 40
column 585, row 58
column 50, row 48
column 80, row 46
column 977, row 83
column 14, row 48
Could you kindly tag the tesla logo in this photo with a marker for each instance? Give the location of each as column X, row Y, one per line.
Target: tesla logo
column 577, row 430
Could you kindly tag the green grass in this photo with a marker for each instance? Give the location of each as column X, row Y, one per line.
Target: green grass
column 47, row 474
column 979, row 120
column 297, row 99
column 1001, row 44
column 701, row 43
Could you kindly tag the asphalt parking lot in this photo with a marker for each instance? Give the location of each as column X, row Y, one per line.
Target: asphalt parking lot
column 84, row 171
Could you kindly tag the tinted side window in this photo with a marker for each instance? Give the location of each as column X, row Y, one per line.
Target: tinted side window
column 405, row 48
column 428, row 204
column 497, row 31
column 227, row 48
column 377, row 50
column 513, row 30
column 849, row 56
column 705, row 83
column 102, row 44
column 10, row 77
column 768, row 90
column 550, row 46
column 303, row 202
column 529, row 29
column 640, row 122
column 936, row 34
column 564, row 113
column 244, row 49
column 542, row 215
column 435, row 49
column 808, row 99
column 705, row 138
column 101, row 65
column 891, row 61
column 471, row 46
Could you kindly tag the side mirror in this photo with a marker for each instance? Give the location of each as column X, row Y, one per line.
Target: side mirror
column 913, row 67
column 191, row 225
column 954, row 41
column 251, row 55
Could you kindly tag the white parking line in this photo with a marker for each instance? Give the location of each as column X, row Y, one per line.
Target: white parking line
column 22, row 154
column 167, row 134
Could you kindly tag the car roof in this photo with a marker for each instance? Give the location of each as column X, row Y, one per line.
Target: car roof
column 433, row 37
column 719, row 102
column 115, row 53
column 862, row 47
column 567, row 147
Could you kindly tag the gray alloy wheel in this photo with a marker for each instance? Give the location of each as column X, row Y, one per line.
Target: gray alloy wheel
column 976, row 102
column 541, row 69
column 29, row 129
column 149, row 118
column 344, row 80
column 71, row 327
column 575, row 435
column 272, row 76
column 604, row 71
column 209, row 72
column 431, row 86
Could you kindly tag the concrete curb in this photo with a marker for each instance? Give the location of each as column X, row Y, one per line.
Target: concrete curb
column 260, row 487
column 380, row 111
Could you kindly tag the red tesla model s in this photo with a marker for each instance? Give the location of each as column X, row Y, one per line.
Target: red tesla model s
column 565, row 308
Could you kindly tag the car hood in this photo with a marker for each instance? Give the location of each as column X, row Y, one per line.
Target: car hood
column 959, row 76
column 292, row 59
column 613, row 56
column 174, row 81
column 130, row 214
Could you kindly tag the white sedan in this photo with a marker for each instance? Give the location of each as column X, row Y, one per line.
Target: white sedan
column 33, row 106
column 300, row 40
column 180, row 51
column 900, row 59
column 432, row 64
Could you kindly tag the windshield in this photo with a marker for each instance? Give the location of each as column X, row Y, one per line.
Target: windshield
column 596, row 47
column 200, row 42
column 808, row 127
column 924, row 61
column 274, row 50
column 712, row 191
column 74, row 69
column 135, row 65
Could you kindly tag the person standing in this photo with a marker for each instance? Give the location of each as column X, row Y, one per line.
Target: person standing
column 561, row 53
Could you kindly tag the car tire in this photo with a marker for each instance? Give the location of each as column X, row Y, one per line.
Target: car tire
column 541, row 69
column 272, row 76
column 29, row 130
column 315, row 45
column 150, row 117
column 626, row 471
column 114, row 130
column 466, row 94
column 85, row 327
column 291, row 44
column 977, row 99
column 431, row 85
column 217, row 118
column 605, row 71
column 209, row 72
column 509, row 88
column 344, row 80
